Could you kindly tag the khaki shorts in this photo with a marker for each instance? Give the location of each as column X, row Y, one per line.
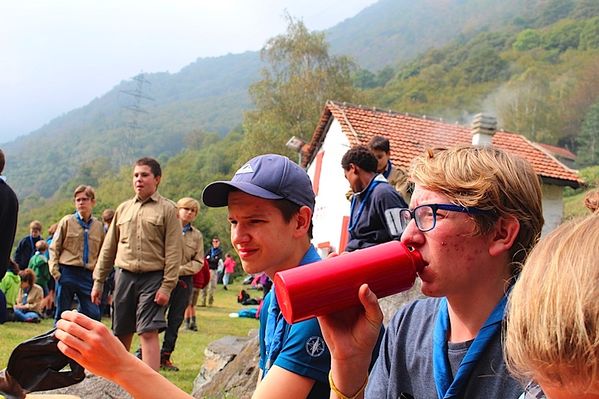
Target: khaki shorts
column 134, row 306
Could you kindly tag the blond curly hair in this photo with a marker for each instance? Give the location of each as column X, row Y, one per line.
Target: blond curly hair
column 553, row 311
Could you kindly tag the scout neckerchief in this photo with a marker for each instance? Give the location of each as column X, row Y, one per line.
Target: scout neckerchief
column 446, row 388
column 25, row 295
column 354, row 219
column 85, row 227
column 186, row 228
column 387, row 171
column 275, row 324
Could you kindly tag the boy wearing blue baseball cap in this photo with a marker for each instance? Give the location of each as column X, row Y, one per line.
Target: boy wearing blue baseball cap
column 270, row 202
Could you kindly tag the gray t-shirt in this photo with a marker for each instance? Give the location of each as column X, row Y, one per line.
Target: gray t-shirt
column 405, row 362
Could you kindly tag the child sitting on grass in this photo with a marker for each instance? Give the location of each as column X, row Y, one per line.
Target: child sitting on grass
column 29, row 300
column 9, row 286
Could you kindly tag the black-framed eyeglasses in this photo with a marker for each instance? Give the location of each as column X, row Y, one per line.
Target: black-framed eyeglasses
column 425, row 216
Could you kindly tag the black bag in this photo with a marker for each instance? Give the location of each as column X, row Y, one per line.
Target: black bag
column 242, row 296
column 37, row 365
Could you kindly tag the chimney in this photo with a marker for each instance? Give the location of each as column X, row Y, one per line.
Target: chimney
column 483, row 130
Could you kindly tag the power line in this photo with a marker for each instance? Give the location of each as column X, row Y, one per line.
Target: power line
column 136, row 111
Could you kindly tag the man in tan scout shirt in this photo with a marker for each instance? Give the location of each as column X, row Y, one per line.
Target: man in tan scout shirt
column 74, row 252
column 144, row 243
column 397, row 178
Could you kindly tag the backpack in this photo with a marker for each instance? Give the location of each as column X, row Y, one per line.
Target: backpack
column 243, row 296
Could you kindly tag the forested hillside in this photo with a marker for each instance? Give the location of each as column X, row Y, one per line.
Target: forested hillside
column 208, row 95
column 395, row 31
column 540, row 82
column 537, row 70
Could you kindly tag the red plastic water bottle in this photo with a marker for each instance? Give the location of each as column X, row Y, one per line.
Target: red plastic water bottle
column 332, row 284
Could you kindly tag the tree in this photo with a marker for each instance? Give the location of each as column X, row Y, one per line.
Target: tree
column 563, row 35
column 582, row 95
column 300, row 76
column 589, row 36
column 523, row 106
column 364, row 79
column 527, row 40
column 588, row 140
column 553, row 10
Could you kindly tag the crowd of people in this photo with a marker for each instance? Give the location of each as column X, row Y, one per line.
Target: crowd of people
column 142, row 264
column 504, row 316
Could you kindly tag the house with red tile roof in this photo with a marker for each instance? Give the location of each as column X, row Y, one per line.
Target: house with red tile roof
column 342, row 126
column 563, row 155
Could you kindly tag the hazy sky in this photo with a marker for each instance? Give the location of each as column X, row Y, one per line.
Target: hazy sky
column 56, row 55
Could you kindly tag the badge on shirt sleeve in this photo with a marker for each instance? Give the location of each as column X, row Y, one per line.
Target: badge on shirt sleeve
column 315, row 346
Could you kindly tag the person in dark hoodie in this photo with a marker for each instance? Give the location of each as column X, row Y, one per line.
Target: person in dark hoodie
column 375, row 205
column 26, row 247
column 9, row 209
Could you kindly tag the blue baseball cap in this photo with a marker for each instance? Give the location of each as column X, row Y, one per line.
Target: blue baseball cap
column 267, row 176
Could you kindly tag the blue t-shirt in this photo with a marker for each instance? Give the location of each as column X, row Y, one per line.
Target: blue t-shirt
column 302, row 350
column 405, row 362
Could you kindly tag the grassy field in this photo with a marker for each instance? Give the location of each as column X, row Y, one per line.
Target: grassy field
column 213, row 323
column 574, row 206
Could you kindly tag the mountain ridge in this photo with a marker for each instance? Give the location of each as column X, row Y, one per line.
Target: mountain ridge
column 210, row 94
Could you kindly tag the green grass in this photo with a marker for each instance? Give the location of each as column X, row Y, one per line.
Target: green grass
column 574, row 206
column 213, row 323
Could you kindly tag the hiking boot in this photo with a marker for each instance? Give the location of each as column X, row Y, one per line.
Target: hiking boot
column 165, row 362
column 167, row 365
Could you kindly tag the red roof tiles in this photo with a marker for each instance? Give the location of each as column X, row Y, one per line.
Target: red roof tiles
column 409, row 136
column 559, row 151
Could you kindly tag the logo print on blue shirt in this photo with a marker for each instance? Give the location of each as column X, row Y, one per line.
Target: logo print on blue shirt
column 315, row 346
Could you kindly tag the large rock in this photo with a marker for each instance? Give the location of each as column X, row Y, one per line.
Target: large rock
column 391, row 304
column 92, row 387
column 230, row 368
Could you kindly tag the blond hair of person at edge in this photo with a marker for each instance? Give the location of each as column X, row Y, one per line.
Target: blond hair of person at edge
column 552, row 334
column 591, row 200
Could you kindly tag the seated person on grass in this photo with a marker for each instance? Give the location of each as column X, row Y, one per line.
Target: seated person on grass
column 9, row 286
column 28, row 307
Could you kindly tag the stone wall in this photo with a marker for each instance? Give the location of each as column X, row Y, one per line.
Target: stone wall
column 230, row 368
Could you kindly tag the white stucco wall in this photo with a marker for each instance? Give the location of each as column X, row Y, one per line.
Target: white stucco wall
column 331, row 204
column 553, row 206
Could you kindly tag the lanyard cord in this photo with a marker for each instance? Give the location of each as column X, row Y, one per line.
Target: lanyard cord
column 354, row 219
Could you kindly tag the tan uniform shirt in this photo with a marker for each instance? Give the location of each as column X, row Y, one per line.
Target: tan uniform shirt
column 193, row 252
column 34, row 298
column 143, row 237
column 399, row 180
column 67, row 244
